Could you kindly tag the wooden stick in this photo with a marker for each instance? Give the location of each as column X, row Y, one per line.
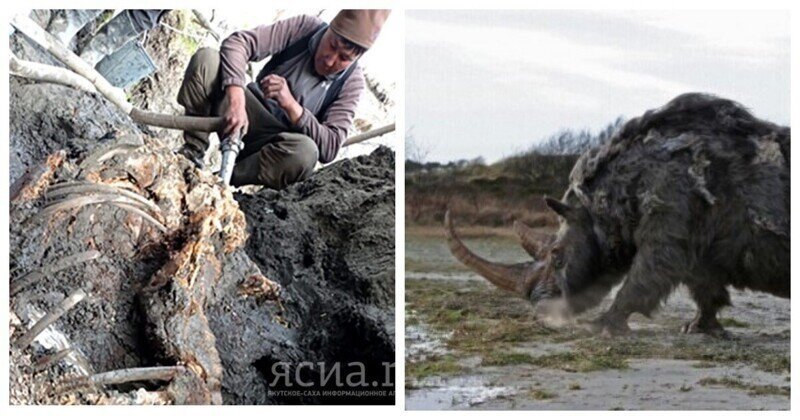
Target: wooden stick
column 369, row 135
column 62, row 308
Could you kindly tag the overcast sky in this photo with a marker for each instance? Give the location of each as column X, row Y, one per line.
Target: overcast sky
column 492, row 83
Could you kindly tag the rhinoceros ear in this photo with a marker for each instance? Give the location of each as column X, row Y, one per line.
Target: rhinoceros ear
column 562, row 209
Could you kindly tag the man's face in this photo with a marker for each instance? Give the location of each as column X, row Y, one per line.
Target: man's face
column 332, row 55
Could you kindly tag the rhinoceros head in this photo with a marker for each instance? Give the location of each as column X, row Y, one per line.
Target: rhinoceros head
column 565, row 266
column 573, row 259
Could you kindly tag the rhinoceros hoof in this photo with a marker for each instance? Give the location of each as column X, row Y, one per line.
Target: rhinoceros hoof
column 713, row 329
column 609, row 326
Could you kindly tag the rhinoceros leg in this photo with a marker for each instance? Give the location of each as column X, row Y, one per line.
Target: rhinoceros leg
column 710, row 298
column 654, row 274
column 706, row 323
column 611, row 323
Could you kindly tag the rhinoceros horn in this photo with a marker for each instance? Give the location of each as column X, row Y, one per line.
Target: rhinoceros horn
column 517, row 278
column 534, row 242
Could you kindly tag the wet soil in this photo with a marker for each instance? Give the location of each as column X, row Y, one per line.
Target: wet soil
column 471, row 346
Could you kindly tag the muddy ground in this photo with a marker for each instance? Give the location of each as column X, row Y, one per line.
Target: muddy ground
column 230, row 289
column 469, row 345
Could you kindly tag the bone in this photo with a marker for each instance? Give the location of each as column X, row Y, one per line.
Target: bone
column 142, row 214
column 25, row 281
column 58, row 265
column 109, row 191
column 157, row 373
column 71, row 260
column 49, row 318
column 117, row 377
column 85, row 187
column 124, row 144
column 85, row 200
column 49, row 360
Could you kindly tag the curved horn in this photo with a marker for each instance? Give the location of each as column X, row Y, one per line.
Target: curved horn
column 531, row 240
column 517, row 278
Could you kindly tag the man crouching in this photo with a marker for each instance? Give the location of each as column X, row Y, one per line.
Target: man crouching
column 300, row 107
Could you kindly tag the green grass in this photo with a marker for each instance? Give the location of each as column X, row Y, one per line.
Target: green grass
column 541, row 394
column 434, row 366
column 580, row 362
column 730, row 322
column 480, row 321
column 507, row 359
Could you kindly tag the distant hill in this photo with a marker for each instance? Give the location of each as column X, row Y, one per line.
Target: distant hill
column 497, row 194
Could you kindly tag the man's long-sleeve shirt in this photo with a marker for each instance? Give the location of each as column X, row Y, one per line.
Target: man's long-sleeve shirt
column 329, row 132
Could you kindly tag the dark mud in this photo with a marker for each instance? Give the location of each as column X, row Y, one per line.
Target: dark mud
column 339, row 287
column 194, row 294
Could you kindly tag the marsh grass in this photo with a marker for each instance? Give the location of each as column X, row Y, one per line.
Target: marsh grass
column 434, row 366
column 481, row 321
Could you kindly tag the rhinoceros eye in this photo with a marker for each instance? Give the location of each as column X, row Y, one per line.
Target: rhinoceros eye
column 558, row 259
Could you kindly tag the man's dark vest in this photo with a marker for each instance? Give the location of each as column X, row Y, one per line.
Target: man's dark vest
column 297, row 48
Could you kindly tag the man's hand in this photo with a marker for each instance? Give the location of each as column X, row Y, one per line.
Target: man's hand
column 275, row 87
column 235, row 115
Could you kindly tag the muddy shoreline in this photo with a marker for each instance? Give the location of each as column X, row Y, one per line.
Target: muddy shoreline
column 476, row 347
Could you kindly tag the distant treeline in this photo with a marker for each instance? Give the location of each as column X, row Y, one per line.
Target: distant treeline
column 496, row 194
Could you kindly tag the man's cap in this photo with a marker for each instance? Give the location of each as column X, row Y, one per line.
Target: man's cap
column 361, row 26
